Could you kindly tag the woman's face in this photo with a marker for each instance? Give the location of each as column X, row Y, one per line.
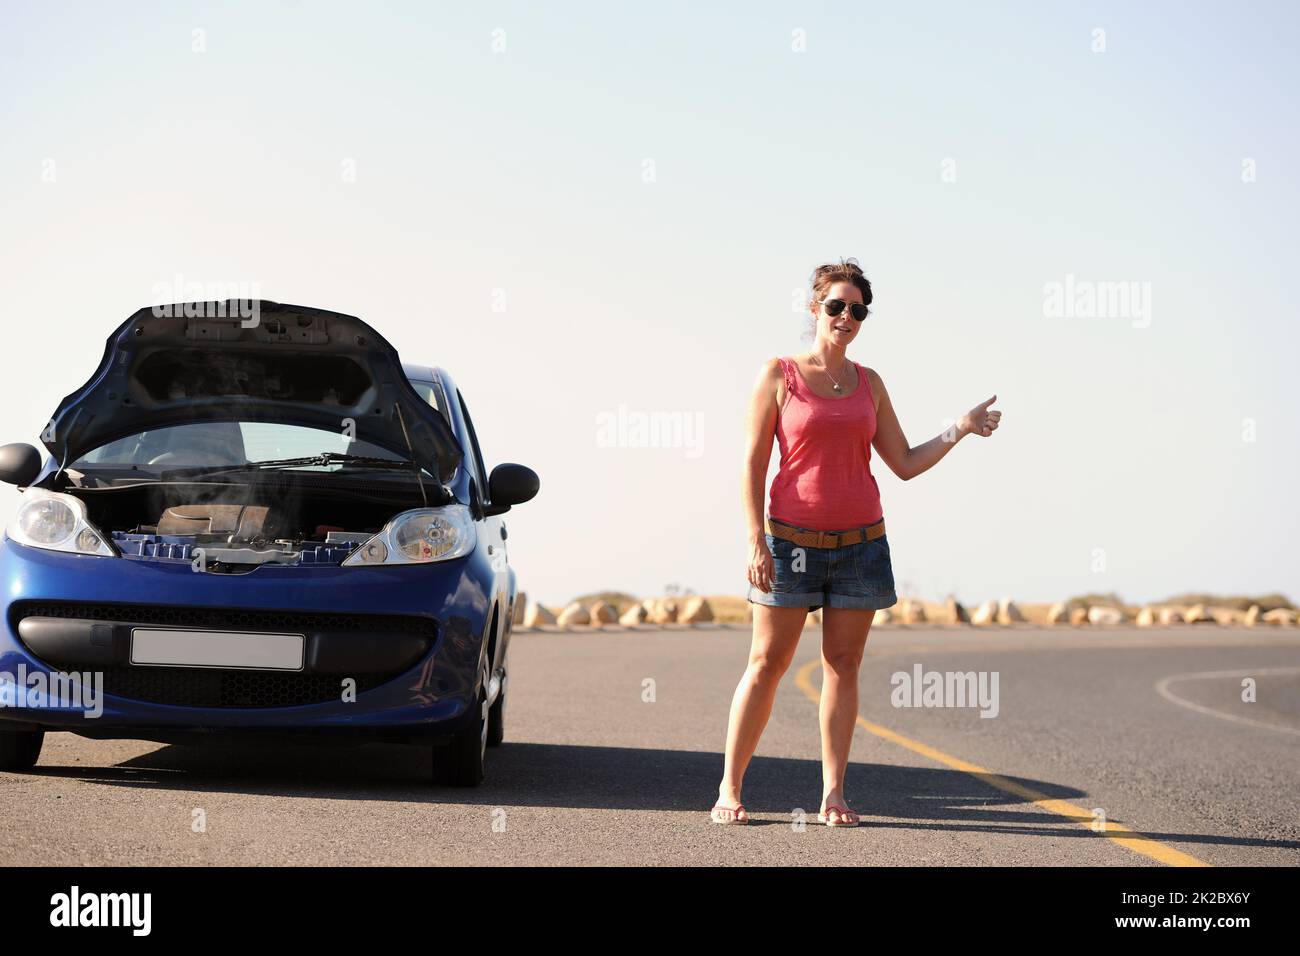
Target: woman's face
column 843, row 328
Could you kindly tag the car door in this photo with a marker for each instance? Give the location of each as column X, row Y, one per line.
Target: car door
column 493, row 536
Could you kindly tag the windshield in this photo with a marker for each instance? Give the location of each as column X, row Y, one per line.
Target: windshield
column 218, row 444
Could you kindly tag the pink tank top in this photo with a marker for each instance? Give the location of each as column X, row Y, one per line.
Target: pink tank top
column 824, row 482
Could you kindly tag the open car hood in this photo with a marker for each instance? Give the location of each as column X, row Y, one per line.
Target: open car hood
column 296, row 366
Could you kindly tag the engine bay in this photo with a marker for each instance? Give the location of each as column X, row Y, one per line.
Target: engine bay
column 236, row 528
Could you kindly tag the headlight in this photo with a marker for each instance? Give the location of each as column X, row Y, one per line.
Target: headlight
column 55, row 522
column 418, row 537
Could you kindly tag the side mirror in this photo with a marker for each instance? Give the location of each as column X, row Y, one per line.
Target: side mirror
column 511, row 485
column 20, row 464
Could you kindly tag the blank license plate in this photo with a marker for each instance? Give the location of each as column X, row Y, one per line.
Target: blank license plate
column 177, row 648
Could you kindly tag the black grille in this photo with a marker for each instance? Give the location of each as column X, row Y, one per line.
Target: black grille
column 205, row 687
column 209, row 687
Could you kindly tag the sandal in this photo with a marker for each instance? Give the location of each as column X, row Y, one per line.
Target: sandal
column 735, row 815
column 825, row 816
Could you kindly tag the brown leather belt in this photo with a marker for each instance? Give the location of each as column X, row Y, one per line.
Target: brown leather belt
column 825, row 539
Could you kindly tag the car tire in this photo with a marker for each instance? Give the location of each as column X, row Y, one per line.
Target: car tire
column 20, row 749
column 459, row 763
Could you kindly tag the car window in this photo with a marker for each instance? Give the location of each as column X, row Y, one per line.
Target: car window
column 475, row 456
column 204, row 444
column 432, row 393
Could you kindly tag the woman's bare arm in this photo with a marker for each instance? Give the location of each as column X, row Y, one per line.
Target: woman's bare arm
column 760, row 431
column 907, row 461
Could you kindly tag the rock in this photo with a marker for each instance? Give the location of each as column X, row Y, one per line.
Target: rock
column 1197, row 614
column 1147, row 617
column 536, row 615
column 911, row 612
column 1059, row 613
column 1227, row 616
column 602, row 613
column 664, row 611
column 882, row 616
column 1171, row 615
column 1009, row 612
column 986, row 613
column 574, row 614
column 634, row 615
column 697, row 611
column 954, row 613
column 520, row 608
column 1079, row 617
column 1252, row 616
column 1100, row 614
column 1279, row 617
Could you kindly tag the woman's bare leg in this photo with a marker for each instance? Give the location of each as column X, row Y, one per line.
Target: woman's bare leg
column 776, row 635
column 844, row 639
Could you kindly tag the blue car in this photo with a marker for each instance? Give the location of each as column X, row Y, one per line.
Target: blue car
column 255, row 520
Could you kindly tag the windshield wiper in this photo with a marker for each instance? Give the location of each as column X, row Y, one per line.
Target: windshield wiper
column 275, row 464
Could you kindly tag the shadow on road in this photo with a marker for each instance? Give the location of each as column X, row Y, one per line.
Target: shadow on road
column 620, row 778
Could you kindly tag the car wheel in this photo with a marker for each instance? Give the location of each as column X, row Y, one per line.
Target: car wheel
column 19, row 749
column 459, row 763
column 497, row 718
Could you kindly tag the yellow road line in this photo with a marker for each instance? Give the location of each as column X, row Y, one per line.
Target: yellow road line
column 1116, row 832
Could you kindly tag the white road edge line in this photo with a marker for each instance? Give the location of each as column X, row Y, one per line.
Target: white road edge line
column 1162, row 688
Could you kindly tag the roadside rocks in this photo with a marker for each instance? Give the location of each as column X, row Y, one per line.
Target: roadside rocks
column 620, row 612
column 1227, row 616
column 634, row 615
column 1103, row 615
column 1009, row 612
column 1279, row 617
column 536, row 615
column 663, row 611
column 575, row 613
column 954, row 613
column 602, row 612
column 1171, row 615
column 911, row 612
column 1005, row 612
column 697, row 611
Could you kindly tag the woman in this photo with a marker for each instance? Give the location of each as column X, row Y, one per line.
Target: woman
column 823, row 544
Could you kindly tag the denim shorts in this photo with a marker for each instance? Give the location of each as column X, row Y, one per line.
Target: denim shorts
column 857, row 576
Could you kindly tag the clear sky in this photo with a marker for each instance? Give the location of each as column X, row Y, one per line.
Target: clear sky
column 578, row 208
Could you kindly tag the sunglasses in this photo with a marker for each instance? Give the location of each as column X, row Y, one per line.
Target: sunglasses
column 835, row 306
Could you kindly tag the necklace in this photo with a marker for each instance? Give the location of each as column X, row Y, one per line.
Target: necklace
column 834, row 384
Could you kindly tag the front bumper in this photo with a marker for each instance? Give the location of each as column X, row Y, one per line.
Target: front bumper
column 429, row 695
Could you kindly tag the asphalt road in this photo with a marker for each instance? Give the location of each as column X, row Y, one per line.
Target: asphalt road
column 601, row 767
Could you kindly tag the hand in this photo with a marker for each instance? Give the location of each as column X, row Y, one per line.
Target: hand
column 760, row 565
column 980, row 421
